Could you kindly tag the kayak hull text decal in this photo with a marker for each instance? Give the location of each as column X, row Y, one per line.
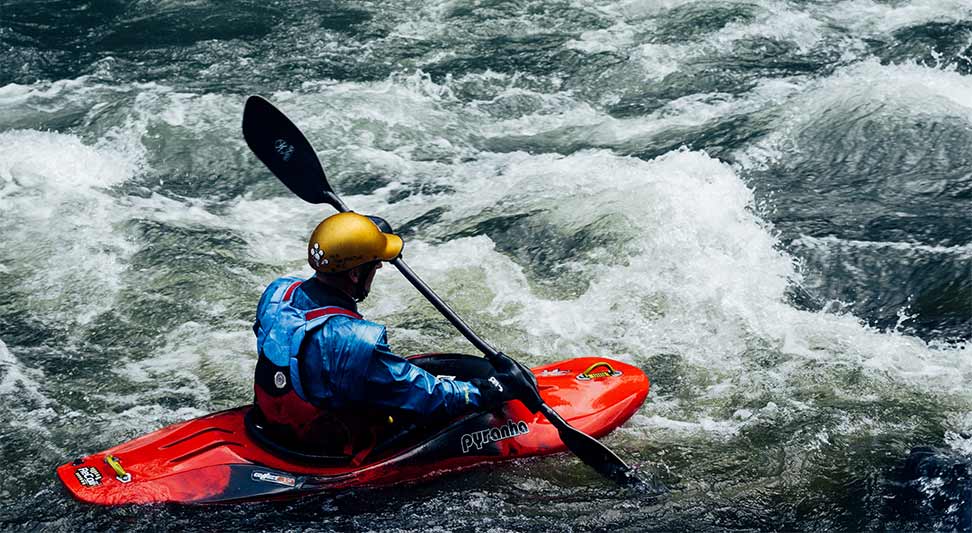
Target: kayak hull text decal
column 478, row 439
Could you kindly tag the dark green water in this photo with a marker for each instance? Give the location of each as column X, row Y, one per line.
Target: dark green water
column 764, row 205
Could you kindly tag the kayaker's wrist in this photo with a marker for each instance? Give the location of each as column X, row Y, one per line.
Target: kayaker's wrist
column 492, row 393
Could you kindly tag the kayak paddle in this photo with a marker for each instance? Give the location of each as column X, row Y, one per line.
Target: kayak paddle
column 287, row 153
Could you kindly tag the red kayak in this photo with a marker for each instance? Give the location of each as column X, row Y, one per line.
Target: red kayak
column 225, row 457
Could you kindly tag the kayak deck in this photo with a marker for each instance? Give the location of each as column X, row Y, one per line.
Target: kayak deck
column 214, row 459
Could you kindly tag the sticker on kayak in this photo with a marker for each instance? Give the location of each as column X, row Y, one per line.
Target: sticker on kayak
column 478, row 439
column 89, row 476
column 607, row 372
column 554, row 372
column 270, row 477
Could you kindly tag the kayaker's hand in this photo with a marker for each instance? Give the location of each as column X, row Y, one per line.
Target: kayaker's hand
column 517, row 381
column 493, row 391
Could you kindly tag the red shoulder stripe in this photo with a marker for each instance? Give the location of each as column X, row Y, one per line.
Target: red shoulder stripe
column 317, row 313
column 290, row 291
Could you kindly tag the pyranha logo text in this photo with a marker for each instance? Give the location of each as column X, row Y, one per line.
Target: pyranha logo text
column 478, row 439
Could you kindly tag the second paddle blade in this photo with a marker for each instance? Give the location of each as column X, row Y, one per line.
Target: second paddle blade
column 593, row 453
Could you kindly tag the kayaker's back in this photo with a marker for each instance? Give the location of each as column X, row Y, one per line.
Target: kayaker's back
column 287, row 318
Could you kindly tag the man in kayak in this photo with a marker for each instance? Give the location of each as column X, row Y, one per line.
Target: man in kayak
column 326, row 379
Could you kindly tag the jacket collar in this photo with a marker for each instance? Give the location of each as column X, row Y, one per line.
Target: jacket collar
column 324, row 296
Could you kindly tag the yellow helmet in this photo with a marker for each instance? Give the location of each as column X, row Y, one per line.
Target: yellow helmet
column 345, row 240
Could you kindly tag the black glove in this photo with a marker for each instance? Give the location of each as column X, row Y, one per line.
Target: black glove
column 493, row 391
column 510, row 380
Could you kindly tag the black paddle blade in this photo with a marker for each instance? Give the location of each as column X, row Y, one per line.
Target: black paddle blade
column 285, row 151
column 593, row 453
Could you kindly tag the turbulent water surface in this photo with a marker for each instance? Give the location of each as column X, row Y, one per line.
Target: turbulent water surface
column 764, row 204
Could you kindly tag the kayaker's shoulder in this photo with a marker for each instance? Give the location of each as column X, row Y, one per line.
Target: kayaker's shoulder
column 360, row 328
column 357, row 322
column 283, row 281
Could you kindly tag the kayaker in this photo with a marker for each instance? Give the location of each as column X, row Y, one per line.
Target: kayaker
column 325, row 377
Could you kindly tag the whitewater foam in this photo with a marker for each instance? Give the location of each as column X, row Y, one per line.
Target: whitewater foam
column 870, row 16
column 59, row 220
column 902, row 90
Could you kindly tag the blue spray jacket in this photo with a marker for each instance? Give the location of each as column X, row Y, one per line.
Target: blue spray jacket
column 337, row 360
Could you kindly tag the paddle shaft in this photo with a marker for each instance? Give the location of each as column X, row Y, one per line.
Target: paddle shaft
column 429, row 294
column 446, row 311
column 336, row 202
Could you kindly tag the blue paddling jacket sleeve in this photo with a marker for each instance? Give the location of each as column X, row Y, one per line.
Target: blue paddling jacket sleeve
column 346, row 368
column 394, row 382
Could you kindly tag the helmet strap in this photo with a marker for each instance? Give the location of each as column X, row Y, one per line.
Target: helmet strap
column 360, row 289
column 359, row 292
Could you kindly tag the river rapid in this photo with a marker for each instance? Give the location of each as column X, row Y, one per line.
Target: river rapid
column 765, row 205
